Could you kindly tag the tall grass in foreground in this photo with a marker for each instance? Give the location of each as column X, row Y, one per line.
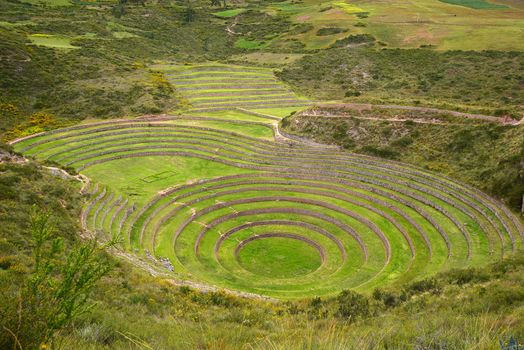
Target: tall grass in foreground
column 453, row 332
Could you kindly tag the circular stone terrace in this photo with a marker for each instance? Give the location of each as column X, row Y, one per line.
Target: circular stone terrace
column 221, row 201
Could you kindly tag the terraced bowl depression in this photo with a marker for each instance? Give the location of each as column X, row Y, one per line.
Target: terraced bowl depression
column 229, row 205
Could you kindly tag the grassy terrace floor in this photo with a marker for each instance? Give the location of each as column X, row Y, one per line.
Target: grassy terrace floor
column 229, row 205
column 228, row 86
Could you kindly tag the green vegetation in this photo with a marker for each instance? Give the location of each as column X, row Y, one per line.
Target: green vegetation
column 230, row 186
column 330, row 31
column 51, row 3
column 218, row 86
column 248, row 44
column 484, row 82
column 404, row 24
column 276, row 257
column 482, row 154
column 107, row 74
column 476, row 4
column 489, row 298
column 168, row 185
column 348, row 8
column 52, row 41
column 43, row 302
column 229, row 13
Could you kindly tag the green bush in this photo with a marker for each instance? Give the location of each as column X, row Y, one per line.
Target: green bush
column 330, row 31
column 402, row 141
column 464, row 276
column 56, row 290
column 380, row 151
column 352, row 306
column 354, row 40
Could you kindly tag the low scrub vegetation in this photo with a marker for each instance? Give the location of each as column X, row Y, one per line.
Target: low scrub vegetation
column 478, row 81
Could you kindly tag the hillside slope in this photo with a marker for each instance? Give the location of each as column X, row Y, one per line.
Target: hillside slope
column 462, row 309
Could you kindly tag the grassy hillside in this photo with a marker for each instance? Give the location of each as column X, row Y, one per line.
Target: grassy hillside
column 134, row 310
column 486, row 82
column 79, row 61
column 102, row 71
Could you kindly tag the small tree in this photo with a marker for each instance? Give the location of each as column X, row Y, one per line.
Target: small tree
column 56, row 290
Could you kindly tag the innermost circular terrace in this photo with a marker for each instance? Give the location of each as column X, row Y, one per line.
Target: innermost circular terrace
column 280, row 255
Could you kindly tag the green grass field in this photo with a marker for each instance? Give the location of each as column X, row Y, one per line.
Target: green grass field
column 272, row 173
column 476, row 4
column 52, row 41
column 447, row 25
column 228, row 205
column 228, row 13
column 279, row 257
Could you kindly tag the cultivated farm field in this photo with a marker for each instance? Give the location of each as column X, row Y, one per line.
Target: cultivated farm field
column 446, row 25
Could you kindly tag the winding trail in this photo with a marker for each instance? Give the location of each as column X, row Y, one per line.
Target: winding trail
column 363, row 106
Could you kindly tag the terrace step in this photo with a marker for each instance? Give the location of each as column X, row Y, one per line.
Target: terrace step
column 260, row 104
column 231, row 87
column 256, row 92
column 229, row 81
column 254, row 98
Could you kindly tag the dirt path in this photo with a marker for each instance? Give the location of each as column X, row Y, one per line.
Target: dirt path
column 421, row 121
column 229, row 28
column 363, row 106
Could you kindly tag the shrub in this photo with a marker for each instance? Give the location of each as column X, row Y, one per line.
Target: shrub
column 388, row 298
column 330, row 31
column 402, row 141
column 422, row 286
column 340, row 132
column 352, row 305
column 7, row 261
column 285, row 121
column 354, row 39
column 464, row 276
column 352, row 93
column 54, row 293
column 461, row 141
column 384, row 152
